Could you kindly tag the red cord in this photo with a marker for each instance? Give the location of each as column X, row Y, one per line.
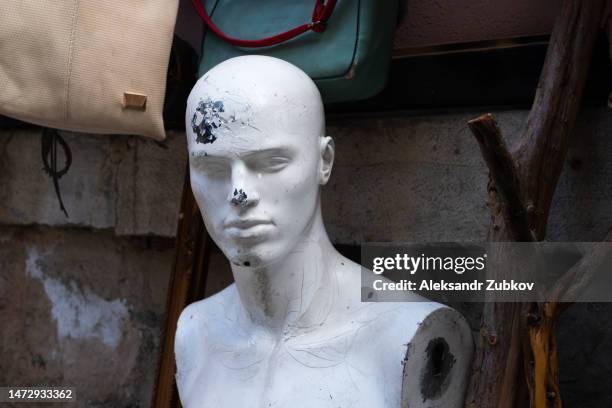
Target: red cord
column 321, row 13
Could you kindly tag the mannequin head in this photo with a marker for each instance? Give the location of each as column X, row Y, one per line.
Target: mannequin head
column 257, row 156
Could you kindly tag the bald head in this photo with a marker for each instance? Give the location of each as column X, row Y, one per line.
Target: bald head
column 257, row 157
column 256, row 92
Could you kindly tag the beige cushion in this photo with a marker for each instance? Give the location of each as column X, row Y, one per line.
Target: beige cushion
column 86, row 65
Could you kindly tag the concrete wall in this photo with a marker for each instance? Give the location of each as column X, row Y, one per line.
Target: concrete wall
column 127, row 184
column 82, row 298
column 82, row 308
column 437, row 22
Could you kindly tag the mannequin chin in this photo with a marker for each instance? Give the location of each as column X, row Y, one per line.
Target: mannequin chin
column 250, row 259
column 258, row 245
column 265, row 244
column 292, row 330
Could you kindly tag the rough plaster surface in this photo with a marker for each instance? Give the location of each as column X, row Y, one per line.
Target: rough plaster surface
column 423, row 179
column 83, row 309
column 127, row 183
column 78, row 314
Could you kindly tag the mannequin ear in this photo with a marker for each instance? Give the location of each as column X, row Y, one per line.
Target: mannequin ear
column 327, row 158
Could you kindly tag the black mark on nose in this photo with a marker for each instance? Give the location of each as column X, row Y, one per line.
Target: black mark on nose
column 239, row 198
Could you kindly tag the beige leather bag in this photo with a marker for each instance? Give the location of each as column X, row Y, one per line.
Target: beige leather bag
column 96, row 66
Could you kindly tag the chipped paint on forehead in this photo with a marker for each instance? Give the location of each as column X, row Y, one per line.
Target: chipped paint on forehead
column 205, row 119
column 212, row 118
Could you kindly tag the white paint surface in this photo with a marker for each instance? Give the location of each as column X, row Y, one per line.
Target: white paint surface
column 79, row 313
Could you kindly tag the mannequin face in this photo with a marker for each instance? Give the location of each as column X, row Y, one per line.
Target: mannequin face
column 257, row 183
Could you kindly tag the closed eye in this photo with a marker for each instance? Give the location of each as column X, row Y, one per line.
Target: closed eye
column 274, row 163
column 211, row 168
column 269, row 161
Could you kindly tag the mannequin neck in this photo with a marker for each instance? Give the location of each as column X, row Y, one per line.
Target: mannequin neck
column 297, row 292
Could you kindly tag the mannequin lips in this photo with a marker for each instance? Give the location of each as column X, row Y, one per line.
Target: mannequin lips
column 246, row 223
column 248, row 229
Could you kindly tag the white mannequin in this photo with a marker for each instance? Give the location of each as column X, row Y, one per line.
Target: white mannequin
column 292, row 331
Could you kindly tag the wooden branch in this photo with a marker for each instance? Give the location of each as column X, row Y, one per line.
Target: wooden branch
column 543, row 382
column 504, row 174
column 543, row 146
column 537, row 165
column 552, row 382
column 573, row 282
column 513, row 362
column 187, row 285
column 539, row 340
column 544, row 389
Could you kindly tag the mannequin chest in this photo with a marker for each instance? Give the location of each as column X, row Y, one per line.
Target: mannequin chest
column 347, row 370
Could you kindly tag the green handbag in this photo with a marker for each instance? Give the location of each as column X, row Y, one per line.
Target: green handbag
column 345, row 47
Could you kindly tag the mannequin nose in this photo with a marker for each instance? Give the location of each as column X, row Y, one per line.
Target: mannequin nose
column 242, row 198
column 243, row 192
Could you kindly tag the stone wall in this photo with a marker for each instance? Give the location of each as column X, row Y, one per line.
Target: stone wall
column 82, row 308
column 82, row 298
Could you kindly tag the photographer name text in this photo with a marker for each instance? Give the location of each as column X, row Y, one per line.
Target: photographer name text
column 475, row 285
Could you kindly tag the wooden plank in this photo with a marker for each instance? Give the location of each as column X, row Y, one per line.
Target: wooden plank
column 187, row 284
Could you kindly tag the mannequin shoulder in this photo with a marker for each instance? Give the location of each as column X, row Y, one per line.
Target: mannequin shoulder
column 200, row 324
column 402, row 323
column 197, row 320
column 437, row 360
column 397, row 321
column 433, row 342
